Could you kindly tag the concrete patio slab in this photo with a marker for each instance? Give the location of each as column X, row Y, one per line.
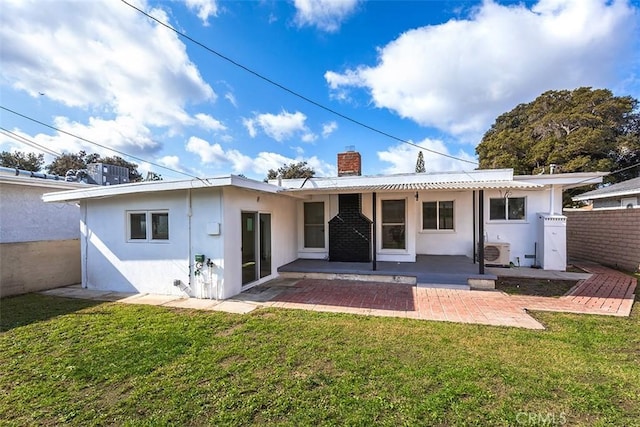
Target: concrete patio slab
column 235, row 307
column 193, row 303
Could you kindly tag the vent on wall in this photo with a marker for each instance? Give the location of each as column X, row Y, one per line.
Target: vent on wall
column 497, row 253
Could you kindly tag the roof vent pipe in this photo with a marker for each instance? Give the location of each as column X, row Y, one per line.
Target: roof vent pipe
column 552, row 168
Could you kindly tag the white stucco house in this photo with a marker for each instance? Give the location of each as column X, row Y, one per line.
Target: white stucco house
column 213, row 238
column 39, row 242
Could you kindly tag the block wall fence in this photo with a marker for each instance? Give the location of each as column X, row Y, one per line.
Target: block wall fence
column 609, row 237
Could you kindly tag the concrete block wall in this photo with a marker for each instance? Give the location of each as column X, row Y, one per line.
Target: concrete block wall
column 36, row 266
column 609, row 237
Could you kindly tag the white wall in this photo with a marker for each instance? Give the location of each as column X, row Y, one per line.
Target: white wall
column 24, row 217
column 521, row 235
column 458, row 241
column 283, row 233
column 111, row 262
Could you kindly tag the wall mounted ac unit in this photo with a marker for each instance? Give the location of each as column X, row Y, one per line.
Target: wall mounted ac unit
column 497, row 253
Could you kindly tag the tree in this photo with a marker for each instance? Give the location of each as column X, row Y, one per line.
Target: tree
column 420, row 163
column 68, row 161
column 583, row 130
column 80, row 160
column 293, row 170
column 19, row 160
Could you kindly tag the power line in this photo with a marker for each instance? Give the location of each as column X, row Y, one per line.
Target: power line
column 291, row 91
column 95, row 143
column 28, row 142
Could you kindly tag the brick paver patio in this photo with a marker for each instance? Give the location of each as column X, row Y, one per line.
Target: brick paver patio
column 606, row 292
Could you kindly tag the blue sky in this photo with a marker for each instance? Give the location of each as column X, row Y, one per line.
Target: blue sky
column 435, row 73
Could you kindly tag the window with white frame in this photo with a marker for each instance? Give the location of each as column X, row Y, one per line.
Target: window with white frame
column 393, row 224
column 437, row 215
column 507, row 209
column 314, row 225
column 148, row 226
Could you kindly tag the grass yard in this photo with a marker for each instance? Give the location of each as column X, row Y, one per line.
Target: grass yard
column 78, row 362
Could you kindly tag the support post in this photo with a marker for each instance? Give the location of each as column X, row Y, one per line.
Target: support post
column 373, row 234
column 481, row 232
column 474, row 219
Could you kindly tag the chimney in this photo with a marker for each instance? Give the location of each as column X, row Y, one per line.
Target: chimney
column 349, row 163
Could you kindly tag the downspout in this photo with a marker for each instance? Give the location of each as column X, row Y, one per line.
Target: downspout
column 189, row 214
column 481, row 232
column 474, row 219
column 85, row 236
column 374, row 235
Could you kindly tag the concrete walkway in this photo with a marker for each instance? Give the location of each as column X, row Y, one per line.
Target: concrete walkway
column 604, row 292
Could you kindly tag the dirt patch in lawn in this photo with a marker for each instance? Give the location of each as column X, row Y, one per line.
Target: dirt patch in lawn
column 536, row 287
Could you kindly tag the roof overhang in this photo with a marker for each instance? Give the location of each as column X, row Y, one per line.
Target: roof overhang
column 420, row 186
column 451, row 181
column 566, row 180
column 158, row 186
column 50, row 184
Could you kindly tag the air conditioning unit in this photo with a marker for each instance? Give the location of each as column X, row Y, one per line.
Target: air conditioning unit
column 497, row 253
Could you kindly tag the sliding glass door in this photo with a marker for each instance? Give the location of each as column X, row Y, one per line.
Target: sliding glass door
column 256, row 246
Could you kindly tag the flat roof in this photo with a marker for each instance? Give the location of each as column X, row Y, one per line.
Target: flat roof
column 153, row 186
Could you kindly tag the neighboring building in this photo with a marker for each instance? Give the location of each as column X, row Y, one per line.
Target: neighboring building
column 213, row 238
column 39, row 242
column 104, row 174
column 623, row 195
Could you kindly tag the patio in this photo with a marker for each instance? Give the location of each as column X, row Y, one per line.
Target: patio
column 444, row 271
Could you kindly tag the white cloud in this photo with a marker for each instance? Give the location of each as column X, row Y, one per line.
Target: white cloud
column 208, row 122
column 326, row 15
column 103, row 57
column 279, row 126
column 257, row 166
column 209, row 153
column 329, row 128
column 403, row 157
column 460, row 75
column 231, row 98
column 204, row 9
column 172, row 162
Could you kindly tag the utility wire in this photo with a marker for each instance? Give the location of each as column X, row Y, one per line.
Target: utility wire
column 28, row 142
column 293, row 92
column 95, row 143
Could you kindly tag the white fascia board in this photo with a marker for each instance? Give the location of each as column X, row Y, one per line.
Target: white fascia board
column 44, row 183
column 157, row 186
column 567, row 180
column 481, row 175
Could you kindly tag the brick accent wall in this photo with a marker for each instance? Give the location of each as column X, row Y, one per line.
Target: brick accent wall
column 609, row 237
column 350, row 231
column 349, row 163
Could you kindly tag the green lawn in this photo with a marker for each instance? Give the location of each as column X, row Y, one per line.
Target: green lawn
column 65, row 361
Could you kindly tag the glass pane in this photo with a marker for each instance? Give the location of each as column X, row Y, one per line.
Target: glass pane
column 314, row 213
column 249, row 264
column 446, row 215
column 429, row 216
column 160, row 226
column 497, row 209
column 138, row 226
column 516, row 208
column 265, row 245
column 393, row 237
column 314, row 236
column 393, row 211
